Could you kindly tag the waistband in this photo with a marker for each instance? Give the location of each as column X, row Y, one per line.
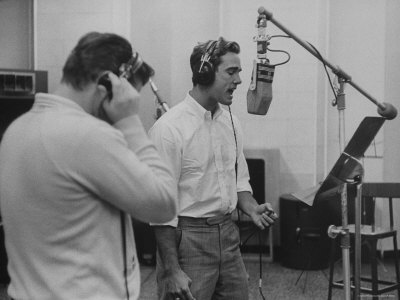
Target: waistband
column 205, row 221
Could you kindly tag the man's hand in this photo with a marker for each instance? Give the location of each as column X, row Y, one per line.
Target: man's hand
column 173, row 282
column 263, row 216
column 176, row 286
column 125, row 100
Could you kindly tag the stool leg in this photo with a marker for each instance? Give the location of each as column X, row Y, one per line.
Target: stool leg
column 374, row 268
column 298, row 278
column 305, row 282
column 396, row 264
column 353, row 276
column 331, row 268
column 307, row 267
column 326, row 276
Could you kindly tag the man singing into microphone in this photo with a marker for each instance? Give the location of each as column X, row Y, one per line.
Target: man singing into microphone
column 70, row 182
column 198, row 252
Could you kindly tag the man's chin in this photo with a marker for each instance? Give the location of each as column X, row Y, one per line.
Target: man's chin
column 228, row 102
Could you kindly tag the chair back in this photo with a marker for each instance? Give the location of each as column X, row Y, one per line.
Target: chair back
column 387, row 190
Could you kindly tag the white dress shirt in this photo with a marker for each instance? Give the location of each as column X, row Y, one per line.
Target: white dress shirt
column 201, row 151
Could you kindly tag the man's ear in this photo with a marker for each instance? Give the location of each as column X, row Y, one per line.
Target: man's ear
column 101, row 93
column 104, row 84
column 102, row 90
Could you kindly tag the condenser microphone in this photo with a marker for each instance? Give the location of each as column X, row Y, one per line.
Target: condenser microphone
column 259, row 94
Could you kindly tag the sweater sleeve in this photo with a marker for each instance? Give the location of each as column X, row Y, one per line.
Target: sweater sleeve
column 126, row 171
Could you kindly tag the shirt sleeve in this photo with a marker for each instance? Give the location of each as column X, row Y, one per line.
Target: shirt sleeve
column 243, row 184
column 169, row 146
column 123, row 167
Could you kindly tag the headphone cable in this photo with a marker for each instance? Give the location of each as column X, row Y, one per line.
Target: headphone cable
column 123, row 231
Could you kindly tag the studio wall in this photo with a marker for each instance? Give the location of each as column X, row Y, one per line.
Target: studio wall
column 16, row 34
column 59, row 25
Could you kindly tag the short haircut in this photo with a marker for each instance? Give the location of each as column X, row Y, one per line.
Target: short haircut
column 95, row 53
column 221, row 48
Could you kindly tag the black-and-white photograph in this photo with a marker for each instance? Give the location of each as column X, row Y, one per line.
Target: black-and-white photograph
column 199, row 149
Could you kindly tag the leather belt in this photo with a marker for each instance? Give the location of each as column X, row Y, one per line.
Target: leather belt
column 204, row 221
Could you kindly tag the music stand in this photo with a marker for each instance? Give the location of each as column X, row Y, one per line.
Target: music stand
column 348, row 169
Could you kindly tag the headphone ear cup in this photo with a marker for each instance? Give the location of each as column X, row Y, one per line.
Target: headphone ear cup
column 206, row 75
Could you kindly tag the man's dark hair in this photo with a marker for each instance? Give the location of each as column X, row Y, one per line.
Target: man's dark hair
column 95, row 53
column 221, row 48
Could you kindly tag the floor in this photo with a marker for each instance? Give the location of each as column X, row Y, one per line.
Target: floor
column 277, row 282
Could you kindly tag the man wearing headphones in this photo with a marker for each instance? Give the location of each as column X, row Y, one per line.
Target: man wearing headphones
column 70, row 182
column 198, row 252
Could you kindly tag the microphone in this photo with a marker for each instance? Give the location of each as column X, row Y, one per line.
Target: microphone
column 259, row 94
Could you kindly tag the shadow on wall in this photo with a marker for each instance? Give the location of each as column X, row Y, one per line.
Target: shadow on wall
column 271, row 176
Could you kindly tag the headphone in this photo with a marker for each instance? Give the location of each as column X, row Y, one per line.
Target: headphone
column 204, row 70
column 126, row 70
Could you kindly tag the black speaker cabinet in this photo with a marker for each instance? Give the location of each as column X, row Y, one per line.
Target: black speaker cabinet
column 256, row 167
column 145, row 243
column 4, row 278
column 17, row 92
column 304, row 241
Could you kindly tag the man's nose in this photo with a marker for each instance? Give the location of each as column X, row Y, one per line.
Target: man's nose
column 237, row 80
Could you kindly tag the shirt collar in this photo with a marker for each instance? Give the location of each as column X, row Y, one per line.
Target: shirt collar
column 199, row 110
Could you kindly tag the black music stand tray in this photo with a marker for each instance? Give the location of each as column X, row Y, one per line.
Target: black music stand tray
column 348, row 169
column 348, row 165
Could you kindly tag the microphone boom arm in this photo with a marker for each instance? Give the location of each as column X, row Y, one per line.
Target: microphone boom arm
column 386, row 110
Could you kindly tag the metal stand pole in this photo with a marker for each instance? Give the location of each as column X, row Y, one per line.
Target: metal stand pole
column 345, row 242
column 345, row 237
column 340, row 102
column 357, row 242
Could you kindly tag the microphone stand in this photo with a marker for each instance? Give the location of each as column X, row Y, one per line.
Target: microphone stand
column 162, row 103
column 385, row 110
column 332, row 231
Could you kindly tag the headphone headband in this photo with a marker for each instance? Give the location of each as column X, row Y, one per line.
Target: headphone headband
column 204, row 69
column 211, row 47
column 208, row 53
column 134, row 63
